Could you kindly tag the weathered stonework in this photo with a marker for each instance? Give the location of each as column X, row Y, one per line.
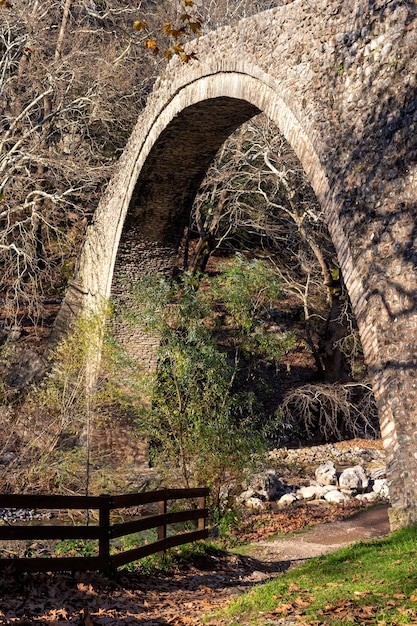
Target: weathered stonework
column 338, row 78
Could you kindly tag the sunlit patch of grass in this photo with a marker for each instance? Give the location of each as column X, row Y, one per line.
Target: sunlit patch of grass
column 370, row 583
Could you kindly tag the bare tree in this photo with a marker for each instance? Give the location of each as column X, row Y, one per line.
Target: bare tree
column 218, row 13
column 72, row 79
column 326, row 412
column 257, row 196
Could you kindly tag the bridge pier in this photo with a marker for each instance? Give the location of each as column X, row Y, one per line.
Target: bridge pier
column 399, row 432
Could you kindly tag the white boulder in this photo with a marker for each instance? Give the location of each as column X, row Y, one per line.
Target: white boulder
column 326, row 474
column 367, row 497
column 336, row 497
column 380, row 487
column 255, row 503
column 267, row 485
column 306, row 493
column 354, row 478
column 287, row 499
column 312, row 492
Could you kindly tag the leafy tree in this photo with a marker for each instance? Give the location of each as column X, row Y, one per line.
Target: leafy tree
column 248, row 290
column 203, row 429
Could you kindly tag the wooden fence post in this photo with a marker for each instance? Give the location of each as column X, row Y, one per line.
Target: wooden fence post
column 201, row 520
column 162, row 510
column 104, row 524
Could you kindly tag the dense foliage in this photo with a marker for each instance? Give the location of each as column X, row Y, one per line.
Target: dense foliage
column 204, row 427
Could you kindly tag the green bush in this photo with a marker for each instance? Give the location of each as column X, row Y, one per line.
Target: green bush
column 90, row 382
column 202, row 429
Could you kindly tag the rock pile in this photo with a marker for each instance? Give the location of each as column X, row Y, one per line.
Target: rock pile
column 13, row 516
column 332, row 474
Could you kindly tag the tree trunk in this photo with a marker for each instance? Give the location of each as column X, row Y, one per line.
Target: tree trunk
column 336, row 366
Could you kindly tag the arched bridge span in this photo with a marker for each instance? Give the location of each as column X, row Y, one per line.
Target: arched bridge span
column 339, row 80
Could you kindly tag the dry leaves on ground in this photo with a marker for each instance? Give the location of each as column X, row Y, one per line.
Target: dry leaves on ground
column 179, row 598
column 260, row 526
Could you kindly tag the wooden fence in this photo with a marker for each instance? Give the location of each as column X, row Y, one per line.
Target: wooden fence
column 103, row 531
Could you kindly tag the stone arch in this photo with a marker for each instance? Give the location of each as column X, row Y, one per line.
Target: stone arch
column 177, row 161
column 351, row 124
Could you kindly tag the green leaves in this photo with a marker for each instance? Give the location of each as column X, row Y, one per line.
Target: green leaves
column 203, row 424
column 248, row 290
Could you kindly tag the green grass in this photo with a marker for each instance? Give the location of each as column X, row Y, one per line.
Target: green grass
column 167, row 561
column 367, row 583
column 77, row 547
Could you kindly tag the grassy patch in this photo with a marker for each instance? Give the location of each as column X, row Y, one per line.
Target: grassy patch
column 367, row 583
column 169, row 561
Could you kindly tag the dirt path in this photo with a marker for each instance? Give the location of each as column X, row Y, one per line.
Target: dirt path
column 182, row 597
column 325, row 538
column 215, row 580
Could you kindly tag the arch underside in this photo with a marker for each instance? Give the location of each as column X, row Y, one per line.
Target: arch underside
column 176, row 153
column 177, row 164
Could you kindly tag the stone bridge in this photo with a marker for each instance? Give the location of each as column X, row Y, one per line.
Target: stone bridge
column 338, row 77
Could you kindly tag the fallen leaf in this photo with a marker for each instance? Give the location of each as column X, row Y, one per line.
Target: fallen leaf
column 284, row 608
column 140, row 25
column 367, row 611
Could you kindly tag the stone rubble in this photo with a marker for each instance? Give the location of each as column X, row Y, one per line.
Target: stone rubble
column 13, row 516
column 327, row 473
column 330, row 474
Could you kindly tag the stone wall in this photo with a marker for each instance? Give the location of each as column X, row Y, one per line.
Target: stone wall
column 338, row 77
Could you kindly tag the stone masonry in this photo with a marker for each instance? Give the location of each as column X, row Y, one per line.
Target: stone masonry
column 338, row 77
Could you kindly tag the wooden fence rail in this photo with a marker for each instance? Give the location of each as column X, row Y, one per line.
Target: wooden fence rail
column 104, row 531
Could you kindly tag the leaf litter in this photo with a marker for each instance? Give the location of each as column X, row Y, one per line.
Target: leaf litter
column 181, row 597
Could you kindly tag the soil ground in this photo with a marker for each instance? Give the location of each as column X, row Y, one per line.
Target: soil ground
column 325, row 538
column 182, row 596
